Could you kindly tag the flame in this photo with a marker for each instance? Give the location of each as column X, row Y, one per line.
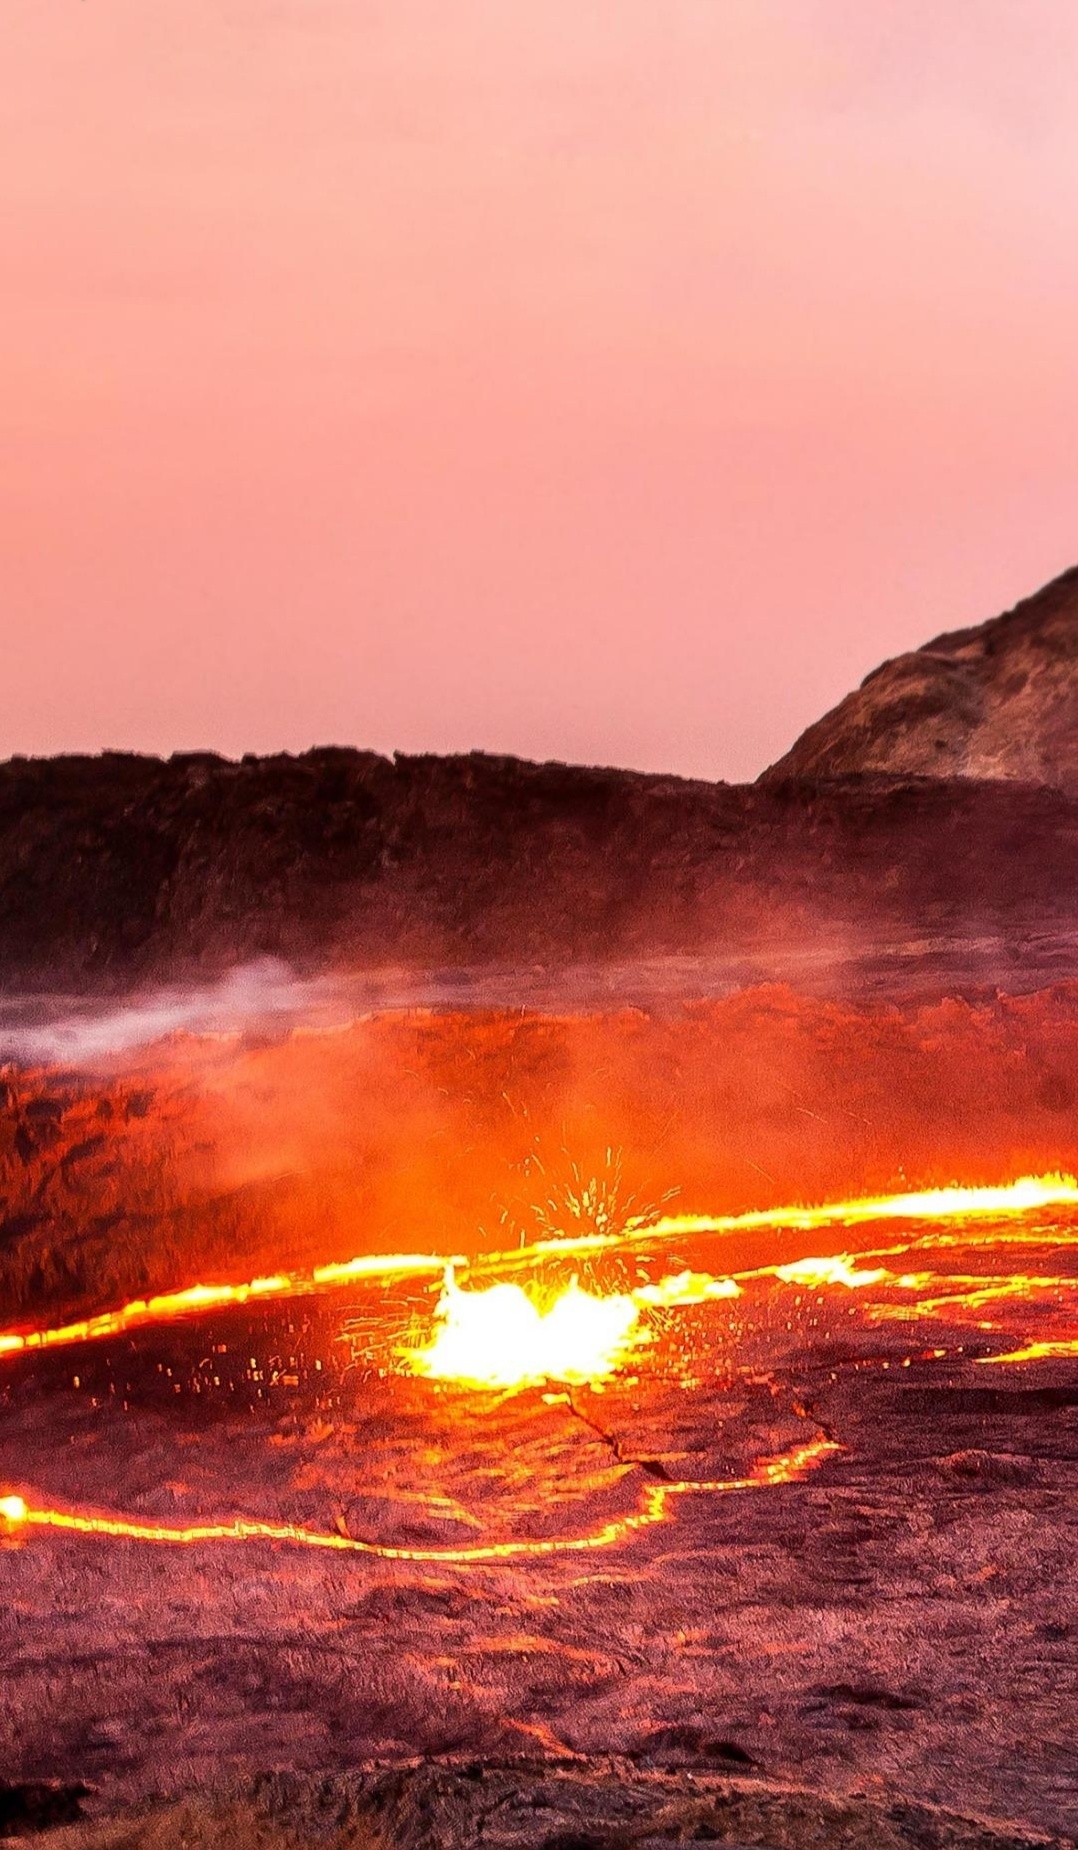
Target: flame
column 17, row 1515
column 500, row 1337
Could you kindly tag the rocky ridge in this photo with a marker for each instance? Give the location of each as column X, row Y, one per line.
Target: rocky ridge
column 998, row 701
column 938, row 801
column 123, row 871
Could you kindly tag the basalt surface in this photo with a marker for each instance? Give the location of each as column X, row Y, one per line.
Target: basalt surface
column 604, row 1803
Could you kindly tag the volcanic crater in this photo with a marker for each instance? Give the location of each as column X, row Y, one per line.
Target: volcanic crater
column 541, row 1307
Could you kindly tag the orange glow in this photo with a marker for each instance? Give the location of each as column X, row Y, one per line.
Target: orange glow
column 18, row 1514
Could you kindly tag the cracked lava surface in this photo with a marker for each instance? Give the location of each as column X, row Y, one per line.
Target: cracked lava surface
column 818, row 1516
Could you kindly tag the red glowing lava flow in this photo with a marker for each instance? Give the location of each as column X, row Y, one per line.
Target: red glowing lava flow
column 168, row 1306
column 577, row 1336
column 958, row 1204
column 18, row 1515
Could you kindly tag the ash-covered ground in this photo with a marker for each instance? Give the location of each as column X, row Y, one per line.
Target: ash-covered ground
column 896, row 1618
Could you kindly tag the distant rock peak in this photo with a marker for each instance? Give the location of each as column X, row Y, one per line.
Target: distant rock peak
column 998, row 701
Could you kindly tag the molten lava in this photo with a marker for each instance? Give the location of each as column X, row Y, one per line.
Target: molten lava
column 500, row 1338
column 838, row 1270
column 17, row 1515
column 169, row 1306
column 1054, row 1190
column 504, row 1337
column 957, row 1205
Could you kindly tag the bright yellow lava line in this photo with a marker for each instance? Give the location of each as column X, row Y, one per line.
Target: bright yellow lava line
column 957, row 1203
column 1023, row 1196
column 1036, row 1352
column 17, row 1515
column 169, row 1305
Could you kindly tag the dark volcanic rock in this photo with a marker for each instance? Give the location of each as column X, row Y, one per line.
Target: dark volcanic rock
column 938, row 801
column 120, row 869
column 30, row 1806
column 596, row 1805
column 996, row 701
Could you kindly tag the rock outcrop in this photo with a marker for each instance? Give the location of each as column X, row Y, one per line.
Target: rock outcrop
column 998, row 701
column 567, row 1804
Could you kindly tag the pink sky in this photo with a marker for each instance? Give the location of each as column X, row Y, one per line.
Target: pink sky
column 609, row 381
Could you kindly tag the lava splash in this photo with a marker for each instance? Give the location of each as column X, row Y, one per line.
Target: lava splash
column 501, row 1338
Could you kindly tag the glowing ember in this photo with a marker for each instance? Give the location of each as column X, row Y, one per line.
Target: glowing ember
column 500, row 1338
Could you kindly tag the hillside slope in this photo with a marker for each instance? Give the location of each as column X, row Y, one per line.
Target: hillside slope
column 998, row 701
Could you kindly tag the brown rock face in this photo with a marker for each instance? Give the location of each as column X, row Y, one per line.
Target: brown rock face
column 999, row 701
column 120, row 871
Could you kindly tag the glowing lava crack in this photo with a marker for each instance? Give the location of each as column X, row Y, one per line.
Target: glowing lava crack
column 17, row 1515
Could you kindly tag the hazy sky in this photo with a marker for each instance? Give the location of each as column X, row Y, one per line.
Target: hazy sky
column 612, row 381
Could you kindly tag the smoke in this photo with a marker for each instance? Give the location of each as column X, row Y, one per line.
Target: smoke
column 261, row 998
column 191, row 1135
column 265, row 999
